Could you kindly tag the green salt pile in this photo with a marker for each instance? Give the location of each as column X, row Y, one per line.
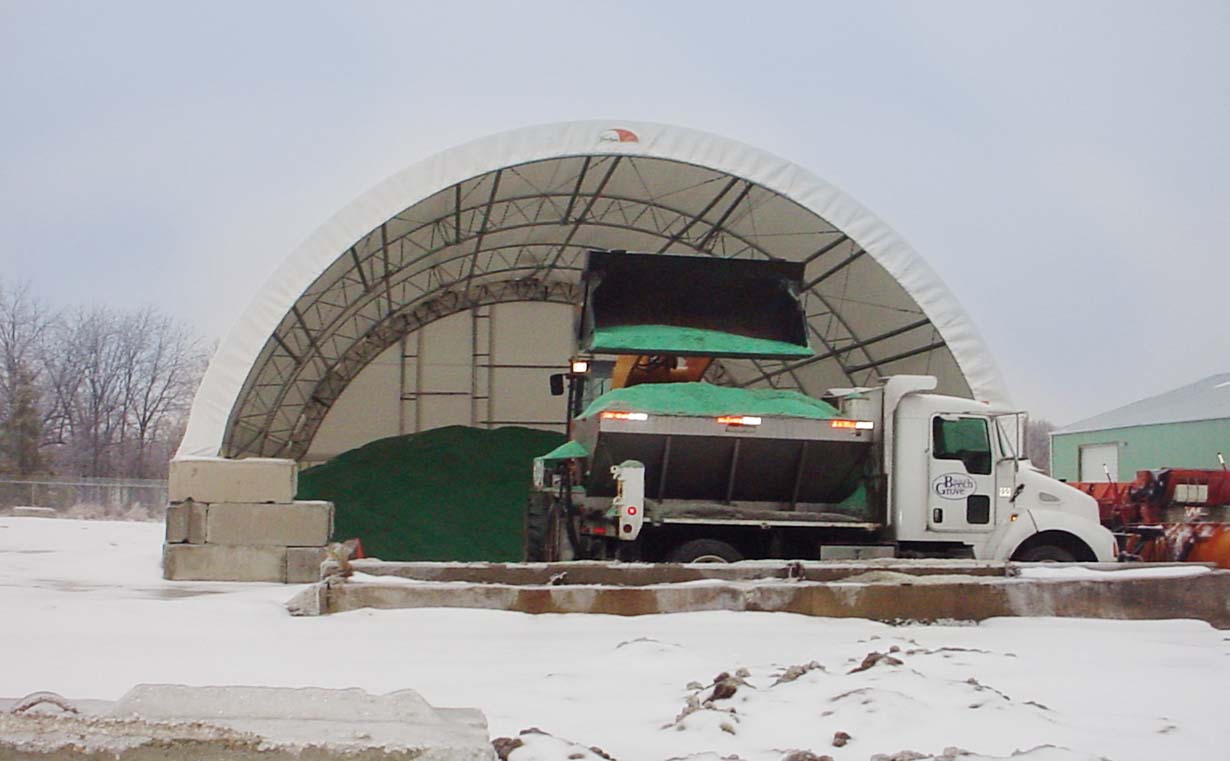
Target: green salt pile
column 706, row 399
column 670, row 339
column 452, row 493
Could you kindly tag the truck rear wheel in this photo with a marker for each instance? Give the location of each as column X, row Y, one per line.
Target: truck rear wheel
column 704, row 551
column 1047, row 553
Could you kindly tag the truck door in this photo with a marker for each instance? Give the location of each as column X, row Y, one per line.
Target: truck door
column 961, row 491
column 1009, row 432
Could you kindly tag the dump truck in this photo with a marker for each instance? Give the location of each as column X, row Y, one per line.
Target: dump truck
column 663, row 465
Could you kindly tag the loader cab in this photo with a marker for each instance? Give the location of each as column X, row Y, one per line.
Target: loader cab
column 586, row 380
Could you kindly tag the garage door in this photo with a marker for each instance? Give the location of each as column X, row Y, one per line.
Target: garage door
column 1094, row 456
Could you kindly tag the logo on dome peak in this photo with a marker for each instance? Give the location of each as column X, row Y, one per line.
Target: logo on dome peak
column 619, row 135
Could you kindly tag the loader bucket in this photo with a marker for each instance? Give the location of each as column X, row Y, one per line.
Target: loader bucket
column 660, row 304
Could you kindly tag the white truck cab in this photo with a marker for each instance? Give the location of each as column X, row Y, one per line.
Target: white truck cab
column 956, row 473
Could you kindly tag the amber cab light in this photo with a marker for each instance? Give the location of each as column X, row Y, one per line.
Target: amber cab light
column 739, row 420
column 617, row 415
column 861, row 425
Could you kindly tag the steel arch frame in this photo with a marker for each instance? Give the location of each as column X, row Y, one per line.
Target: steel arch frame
column 307, row 367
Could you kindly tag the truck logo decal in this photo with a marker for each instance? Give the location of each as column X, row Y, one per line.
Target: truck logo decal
column 954, row 485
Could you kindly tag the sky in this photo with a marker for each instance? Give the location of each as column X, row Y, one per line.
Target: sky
column 1061, row 165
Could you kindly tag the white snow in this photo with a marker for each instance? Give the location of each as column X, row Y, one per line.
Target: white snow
column 1061, row 572
column 86, row 614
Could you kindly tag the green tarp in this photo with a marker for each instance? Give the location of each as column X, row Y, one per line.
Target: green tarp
column 451, row 493
column 566, row 451
column 668, row 339
column 706, row 399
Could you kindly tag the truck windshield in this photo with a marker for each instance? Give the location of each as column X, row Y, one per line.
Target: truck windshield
column 963, row 438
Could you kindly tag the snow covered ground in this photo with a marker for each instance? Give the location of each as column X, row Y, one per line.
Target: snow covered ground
column 86, row 614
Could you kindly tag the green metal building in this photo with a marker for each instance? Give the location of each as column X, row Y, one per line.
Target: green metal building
column 1183, row 428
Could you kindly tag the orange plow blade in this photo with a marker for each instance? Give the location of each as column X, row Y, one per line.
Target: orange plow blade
column 1191, row 542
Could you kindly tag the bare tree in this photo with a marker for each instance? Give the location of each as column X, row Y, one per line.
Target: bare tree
column 161, row 381
column 93, row 392
column 24, row 323
column 119, row 400
column 62, row 377
column 97, row 410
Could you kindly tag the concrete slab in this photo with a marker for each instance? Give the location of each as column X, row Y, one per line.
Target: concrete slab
column 878, row 594
column 181, row 723
column 303, row 564
column 223, row 562
column 297, row 524
column 639, row 574
column 28, row 511
column 217, row 479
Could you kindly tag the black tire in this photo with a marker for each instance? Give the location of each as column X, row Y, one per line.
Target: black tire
column 1047, row 553
column 537, row 526
column 704, row 551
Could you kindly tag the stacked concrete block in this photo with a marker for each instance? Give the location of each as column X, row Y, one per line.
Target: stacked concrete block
column 238, row 520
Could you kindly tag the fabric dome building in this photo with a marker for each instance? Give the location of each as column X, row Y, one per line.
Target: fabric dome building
column 446, row 294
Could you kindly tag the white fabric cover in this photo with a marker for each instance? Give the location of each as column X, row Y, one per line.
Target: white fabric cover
column 229, row 367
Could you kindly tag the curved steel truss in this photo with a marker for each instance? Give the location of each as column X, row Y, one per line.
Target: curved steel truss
column 520, row 234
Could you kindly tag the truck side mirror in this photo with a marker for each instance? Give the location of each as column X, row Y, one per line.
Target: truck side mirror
column 557, row 384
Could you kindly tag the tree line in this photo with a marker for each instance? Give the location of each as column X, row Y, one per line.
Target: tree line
column 92, row 391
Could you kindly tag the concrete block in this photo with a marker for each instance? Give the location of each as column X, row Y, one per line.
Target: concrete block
column 297, row 524
column 176, row 723
column 303, row 564
column 223, row 562
column 186, row 523
column 26, row 511
column 348, row 720
column 196, row 522
column 217, row 479
column 177, row 523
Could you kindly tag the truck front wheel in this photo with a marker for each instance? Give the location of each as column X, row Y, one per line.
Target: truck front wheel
column 1046, row 553
column 704, row 551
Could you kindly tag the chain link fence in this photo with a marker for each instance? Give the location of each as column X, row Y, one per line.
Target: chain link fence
column 94, row 498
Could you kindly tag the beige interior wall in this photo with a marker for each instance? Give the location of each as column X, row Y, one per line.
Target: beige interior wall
column 526, row 337
column 433, row 378
column 366, row 410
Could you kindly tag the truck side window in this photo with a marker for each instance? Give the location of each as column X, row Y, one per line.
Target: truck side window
column 965, row 439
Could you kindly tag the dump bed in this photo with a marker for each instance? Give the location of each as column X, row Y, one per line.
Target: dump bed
column 763, row 449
